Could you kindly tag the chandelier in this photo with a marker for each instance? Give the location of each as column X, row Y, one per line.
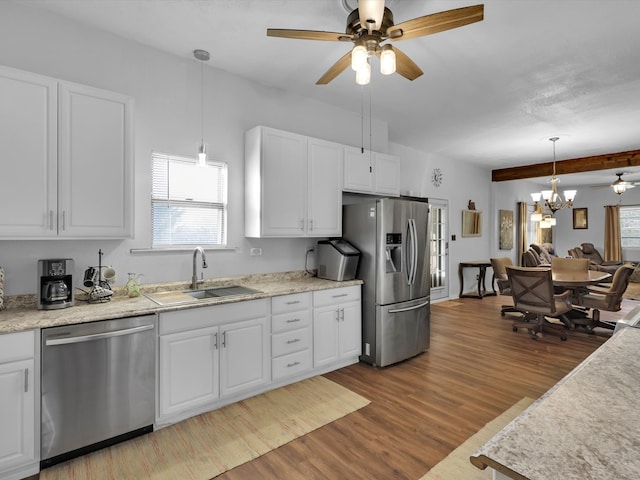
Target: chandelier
column 552, row 200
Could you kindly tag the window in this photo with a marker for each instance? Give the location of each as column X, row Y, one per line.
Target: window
column 630, row 226
column 188, row 202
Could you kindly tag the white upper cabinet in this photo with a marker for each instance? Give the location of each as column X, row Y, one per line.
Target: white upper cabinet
column 67, row 159
column 28, row 153
column 292, row 185
column 371, row 172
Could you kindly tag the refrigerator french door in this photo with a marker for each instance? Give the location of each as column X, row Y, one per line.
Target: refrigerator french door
column 391, row 235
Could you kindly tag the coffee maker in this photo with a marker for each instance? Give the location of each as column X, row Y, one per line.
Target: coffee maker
column 55, row 283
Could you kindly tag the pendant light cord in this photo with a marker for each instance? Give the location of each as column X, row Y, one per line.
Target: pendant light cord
column 362, row 119
column 202, row 102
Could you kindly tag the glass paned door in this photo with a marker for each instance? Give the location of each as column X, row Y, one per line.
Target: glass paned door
column 439, row 248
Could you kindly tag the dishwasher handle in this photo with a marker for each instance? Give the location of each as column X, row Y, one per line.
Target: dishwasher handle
column 98, row 336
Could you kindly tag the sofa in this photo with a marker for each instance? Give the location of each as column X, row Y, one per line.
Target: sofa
column 596, row 262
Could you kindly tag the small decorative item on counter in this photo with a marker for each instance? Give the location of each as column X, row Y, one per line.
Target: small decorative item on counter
column 1, row 289
column 133, row 285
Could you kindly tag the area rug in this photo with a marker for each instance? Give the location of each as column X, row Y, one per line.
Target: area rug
column 457, row 466
column 632, row 292
column 202, row 447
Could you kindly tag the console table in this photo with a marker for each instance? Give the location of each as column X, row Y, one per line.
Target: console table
column 481, row 265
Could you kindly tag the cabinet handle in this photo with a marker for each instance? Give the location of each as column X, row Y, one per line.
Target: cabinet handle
column 337, row 315
column 342, row 314
column 293, row 320
column 310, row 225
column 302, row 224
column 26, row 380
column 289, row 365
column 224, row 339
column 341, row 295
column 295, row 340
column 294, row 302
column 215, row 340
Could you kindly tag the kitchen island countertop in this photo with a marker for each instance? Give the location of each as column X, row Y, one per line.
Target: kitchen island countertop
column 26, row 317
column 584, row 427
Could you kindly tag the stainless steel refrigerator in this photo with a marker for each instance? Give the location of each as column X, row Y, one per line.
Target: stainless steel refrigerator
column 392, row 237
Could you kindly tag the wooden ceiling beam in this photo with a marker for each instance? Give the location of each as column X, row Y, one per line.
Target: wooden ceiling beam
column 608, row 161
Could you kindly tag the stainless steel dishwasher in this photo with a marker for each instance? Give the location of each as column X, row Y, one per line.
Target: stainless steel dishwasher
column 98, row 385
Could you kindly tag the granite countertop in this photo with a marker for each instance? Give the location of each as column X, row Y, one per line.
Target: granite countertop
column 584, row 427
column 22, row 313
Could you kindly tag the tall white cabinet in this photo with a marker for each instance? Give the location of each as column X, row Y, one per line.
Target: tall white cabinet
column 19, row 437
column 293, row 185
column 68, row 150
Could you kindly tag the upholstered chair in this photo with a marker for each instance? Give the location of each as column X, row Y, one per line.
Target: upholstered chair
column 499, row 266
column 532, row 292
column 609, row 300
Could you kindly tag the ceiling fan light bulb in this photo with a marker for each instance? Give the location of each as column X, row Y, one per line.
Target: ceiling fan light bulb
column 619, row 188
column 363, row 75
column 359, row 57
column 387, row 60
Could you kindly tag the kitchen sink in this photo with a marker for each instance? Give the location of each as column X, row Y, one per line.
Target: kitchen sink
column 227, row 291
column 192, row 296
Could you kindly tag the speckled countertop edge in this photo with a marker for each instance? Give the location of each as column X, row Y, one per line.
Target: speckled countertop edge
column 22, row 313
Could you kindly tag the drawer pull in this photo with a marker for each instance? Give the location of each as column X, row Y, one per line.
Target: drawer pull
column 295, row 302
column 26, row 380
column 294, row 364
column 293, row 320
column 341, row 295
column 295, row 340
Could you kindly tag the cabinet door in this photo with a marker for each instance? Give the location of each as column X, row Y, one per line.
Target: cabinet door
column 28, row 142
column 350, row 329
column 325, row 188
column 188, row 370
column 17, row 414
column 358, row 169
column 326, row 324
column 95, row 179
column 387, row 174
column 245, row 356
column 284, row 184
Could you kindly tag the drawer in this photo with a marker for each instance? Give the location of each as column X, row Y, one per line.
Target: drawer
column 290, row 321
column 290, row 303
column 291, row 364
column 288, row 342
column 334, row 296
column 17, row 346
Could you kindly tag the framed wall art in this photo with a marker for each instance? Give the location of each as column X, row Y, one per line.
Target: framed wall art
column 506, row 230
column 580, row 219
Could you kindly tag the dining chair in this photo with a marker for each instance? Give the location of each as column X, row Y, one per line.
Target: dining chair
column 499, row 266
column 532, row 292
column 609, row 300
column 559, row 263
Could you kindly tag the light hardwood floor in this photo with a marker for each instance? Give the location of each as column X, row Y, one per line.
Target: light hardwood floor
column 423, row 408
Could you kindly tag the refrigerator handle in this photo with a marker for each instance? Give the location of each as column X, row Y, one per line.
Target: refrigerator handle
column 414, row 251
column 408, row 309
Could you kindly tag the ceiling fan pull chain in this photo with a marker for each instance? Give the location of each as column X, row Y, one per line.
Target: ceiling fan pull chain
column 370, row 138
column 362, row 119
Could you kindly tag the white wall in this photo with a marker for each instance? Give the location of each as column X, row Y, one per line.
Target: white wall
column 167, row 119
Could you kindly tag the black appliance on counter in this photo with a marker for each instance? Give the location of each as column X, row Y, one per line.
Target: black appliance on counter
column 55, row 283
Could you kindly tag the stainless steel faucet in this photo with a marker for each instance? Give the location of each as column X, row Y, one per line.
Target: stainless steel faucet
column 194, row 278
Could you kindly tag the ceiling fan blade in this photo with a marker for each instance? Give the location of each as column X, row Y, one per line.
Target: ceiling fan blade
column 405, row 66
column 336, row 69
column 308, row 35
column 436, row 22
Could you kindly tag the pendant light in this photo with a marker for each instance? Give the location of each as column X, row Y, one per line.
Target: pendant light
column 203, row 56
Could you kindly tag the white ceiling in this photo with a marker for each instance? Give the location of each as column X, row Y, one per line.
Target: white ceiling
column 492, row 92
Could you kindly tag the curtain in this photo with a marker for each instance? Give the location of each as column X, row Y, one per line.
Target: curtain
column 522, row 237
column 612, row 242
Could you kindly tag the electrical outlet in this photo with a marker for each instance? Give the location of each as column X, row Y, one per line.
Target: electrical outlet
column 255, row 251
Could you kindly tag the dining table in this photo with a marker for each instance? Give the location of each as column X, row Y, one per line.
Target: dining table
column 578, row 278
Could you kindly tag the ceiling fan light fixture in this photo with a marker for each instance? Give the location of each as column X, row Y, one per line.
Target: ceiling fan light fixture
column 620, row 186
column 363, row 74
column 359, row 56
column 387, row 60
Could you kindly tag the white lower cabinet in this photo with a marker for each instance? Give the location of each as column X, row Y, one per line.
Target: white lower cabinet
column 337, row 326
column 18, row 386
column 209, row 353
column 291, row 338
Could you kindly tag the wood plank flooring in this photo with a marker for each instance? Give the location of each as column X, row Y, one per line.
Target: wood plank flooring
column 423, row 408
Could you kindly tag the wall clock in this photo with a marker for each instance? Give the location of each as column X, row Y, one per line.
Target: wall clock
column 436, row 177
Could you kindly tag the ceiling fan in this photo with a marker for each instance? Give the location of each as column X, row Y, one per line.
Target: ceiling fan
column 619, row 186
column 371, row 24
